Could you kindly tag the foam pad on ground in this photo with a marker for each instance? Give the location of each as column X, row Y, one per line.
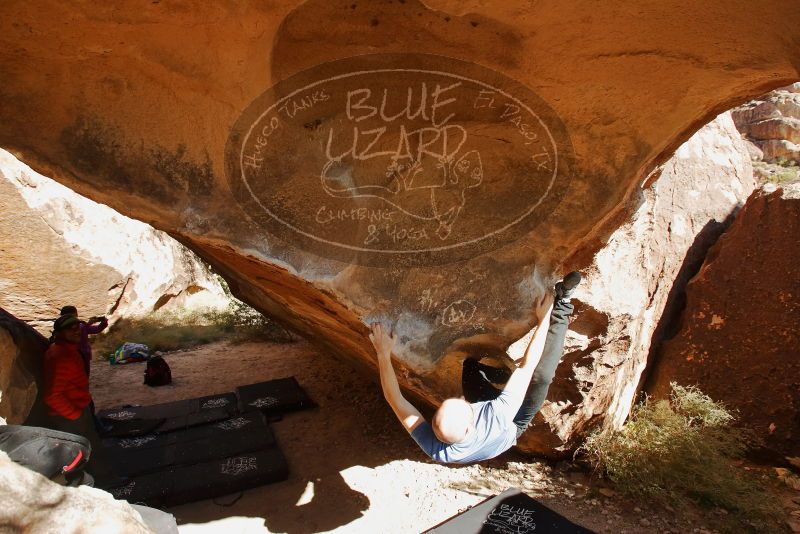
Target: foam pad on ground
column 166, row 410
column 202, row 417
column 147, row 454
column 153, row 440
column 131, row 428
column 274, row 397
column 179, row 485
column 168, row 416
column 510, row 512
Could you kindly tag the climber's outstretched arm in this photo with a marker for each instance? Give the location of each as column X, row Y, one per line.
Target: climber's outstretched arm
column 404, row 410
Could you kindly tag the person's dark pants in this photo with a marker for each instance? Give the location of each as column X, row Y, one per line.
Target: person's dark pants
column 477, row 378
column 98, row 465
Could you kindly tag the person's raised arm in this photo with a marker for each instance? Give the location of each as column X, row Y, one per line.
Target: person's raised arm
column 515, row 388
column 95, row 325
column 404, row 410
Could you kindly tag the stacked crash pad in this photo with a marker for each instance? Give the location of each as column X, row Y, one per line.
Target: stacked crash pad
column 169, row 416
column 275, row 397
column 511, row 512
column 154, row 452
column 172, row 453
column 206, row 480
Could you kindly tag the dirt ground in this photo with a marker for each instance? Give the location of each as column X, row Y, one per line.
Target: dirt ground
column 352, row 466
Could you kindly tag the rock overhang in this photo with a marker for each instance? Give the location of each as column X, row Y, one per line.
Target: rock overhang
column 134, row 107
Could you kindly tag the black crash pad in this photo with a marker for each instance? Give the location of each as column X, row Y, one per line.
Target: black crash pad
column 130, row 428
column 165, row 410
column 169, row 416
column 156, row 452
column 202, row 417
column 274, row 397
column 155, row 440
column 511, row 512
column 207, row 480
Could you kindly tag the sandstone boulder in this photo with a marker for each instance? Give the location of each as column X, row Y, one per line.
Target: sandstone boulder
column 785, row 128
column 772, row 123
column 738, row 338
column 430, row 164
column 780, row 150
column 35, row 505
column 21, row 352
column 59, row 248
column 637, row 278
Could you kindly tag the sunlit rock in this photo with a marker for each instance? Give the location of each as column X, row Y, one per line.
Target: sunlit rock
column 447, row 217
column 60, row 248
column 738, row 338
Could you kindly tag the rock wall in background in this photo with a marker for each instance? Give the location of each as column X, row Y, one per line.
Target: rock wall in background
column 59, row 248
column 738, row 338
column 634, row 279
column 425, row 163
column 772, row 124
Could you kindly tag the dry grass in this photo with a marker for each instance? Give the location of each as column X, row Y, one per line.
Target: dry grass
column 683, row 451
column 780, row 173
column 170, row 331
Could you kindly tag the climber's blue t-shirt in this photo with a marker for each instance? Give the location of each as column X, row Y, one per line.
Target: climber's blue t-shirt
column 494, row 433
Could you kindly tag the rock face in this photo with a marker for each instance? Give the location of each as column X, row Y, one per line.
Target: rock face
column 430, row 164
column 772, row 123
column 738, row 339
column 21, row 352
column 33, row 504
column 636, row 278
column 59, row 248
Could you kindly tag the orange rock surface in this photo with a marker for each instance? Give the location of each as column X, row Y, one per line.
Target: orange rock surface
column 135, row 106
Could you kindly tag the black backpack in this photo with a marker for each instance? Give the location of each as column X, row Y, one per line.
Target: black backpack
column 157, row 372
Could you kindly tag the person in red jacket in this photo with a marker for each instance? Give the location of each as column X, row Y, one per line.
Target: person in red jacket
column 66, row 390
column 66, row 384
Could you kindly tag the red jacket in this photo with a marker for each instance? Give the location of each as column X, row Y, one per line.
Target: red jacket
column 66, row 386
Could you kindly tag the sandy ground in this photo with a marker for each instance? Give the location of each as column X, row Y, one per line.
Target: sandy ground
column 353, row 468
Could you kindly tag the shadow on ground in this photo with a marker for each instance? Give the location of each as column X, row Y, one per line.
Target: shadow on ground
column 352, row 429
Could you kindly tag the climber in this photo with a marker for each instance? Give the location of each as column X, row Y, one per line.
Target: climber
column 488, row 421
column 94, row 325
column 66, row 391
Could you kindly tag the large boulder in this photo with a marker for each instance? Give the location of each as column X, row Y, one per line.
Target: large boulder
column 738, row 338
column 21, row 352
column 431, row 164
column 60, row 248
column 637, row 278
column 35, row 505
